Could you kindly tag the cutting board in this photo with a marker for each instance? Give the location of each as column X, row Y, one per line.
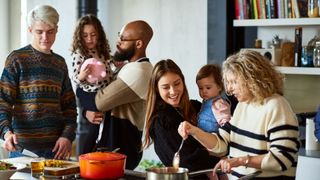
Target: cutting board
column 69, row 167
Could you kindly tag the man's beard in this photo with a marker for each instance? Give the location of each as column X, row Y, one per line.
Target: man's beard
column 124, row 55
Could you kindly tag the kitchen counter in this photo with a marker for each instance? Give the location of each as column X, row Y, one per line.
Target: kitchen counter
column 25, row 175
column 309, row 153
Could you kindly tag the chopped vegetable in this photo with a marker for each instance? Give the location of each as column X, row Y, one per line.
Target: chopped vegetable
column 145, row 164
column 53, row 163
column 6, row 166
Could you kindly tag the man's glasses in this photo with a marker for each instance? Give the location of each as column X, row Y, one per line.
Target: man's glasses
column 121, row 38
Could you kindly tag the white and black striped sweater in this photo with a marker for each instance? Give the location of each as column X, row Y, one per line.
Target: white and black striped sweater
column 270, row 129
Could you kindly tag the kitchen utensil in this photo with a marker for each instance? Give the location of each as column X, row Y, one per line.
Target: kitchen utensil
column 99, row 136
column 246, row 177
column 22, row 150
column 167, row 173
column 102, row 165
column 106, row 149
column 115, row 150
column 176, row 157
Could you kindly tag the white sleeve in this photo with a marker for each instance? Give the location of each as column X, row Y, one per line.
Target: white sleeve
column 77, row 61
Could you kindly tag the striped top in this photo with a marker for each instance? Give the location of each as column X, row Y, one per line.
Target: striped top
column 270, row 129
column 36, row 99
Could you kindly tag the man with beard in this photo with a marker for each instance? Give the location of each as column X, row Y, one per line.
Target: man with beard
column 126, row 95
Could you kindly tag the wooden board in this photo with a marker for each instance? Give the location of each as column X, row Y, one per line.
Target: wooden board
column 69, row 167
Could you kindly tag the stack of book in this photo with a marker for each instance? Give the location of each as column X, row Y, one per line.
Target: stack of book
column 267, row 9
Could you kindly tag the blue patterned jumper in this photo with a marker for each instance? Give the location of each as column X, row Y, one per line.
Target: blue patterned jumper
column 37, row 102
column 206, row 118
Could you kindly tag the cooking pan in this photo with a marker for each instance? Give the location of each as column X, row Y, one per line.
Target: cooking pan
column 171, row 173
column 166, row 173
column 102, row 165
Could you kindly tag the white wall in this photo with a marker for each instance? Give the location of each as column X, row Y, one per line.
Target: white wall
column 180, row 30
column 4, row 17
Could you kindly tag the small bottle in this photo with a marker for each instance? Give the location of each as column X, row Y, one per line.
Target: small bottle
column 307, row 56
column 316, row 55
column 258, row 43
column 313, row 8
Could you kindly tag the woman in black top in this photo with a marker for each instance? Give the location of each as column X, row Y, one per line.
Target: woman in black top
column 168, row 105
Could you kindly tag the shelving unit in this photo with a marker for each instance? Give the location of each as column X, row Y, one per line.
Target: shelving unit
column 277, row 22
column 285, row 28
column 299, row 70
column 301, row 87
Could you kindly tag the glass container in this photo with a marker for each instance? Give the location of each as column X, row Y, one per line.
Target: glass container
column 313, row 8
column 307, row 56
column 316, row 55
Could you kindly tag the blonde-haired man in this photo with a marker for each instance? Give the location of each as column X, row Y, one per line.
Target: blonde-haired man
column 37, row 103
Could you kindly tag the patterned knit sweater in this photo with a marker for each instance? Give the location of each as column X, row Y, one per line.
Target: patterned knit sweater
column 270, row 129
column 37, row 102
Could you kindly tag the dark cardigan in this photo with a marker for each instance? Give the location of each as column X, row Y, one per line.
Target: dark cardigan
column 164, row 132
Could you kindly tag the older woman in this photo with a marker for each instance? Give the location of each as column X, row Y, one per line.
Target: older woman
column 263, row 132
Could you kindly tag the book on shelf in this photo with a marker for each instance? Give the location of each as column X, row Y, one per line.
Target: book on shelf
column 270, row 9
column 255, row 10
column 263, row 9
column 236, row 9
column 285, row 7
column 295, row 8
column 273, row 9
column 303, row 8
column 280, row 9
column 241, row 9
column 290, row 9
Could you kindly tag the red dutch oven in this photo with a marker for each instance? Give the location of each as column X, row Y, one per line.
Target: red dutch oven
column 102, row 165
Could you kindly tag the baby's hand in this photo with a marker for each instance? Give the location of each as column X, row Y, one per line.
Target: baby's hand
column 221, row 110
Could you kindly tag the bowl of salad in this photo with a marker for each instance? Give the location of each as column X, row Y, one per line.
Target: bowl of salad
column 8, row 169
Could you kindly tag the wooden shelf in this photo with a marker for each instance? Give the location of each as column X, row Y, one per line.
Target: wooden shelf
column 299, row 70
column 277, row 22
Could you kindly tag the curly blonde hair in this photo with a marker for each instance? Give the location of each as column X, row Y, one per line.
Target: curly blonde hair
column 255, row 74
column 103, row 47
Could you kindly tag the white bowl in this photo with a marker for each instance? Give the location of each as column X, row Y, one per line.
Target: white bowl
column 6, row 174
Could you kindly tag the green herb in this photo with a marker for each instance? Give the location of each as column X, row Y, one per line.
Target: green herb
column 145, row 164
column 6, row 166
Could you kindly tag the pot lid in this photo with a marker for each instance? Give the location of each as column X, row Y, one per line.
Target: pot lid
column 105, row 156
